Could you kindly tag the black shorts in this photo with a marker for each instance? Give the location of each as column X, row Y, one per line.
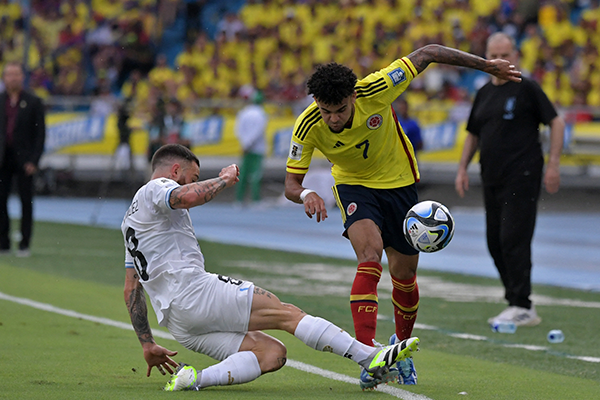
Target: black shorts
column 386, row 207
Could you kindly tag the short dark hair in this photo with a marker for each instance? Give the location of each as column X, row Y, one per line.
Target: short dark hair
column 172, row 152
column 331, row 83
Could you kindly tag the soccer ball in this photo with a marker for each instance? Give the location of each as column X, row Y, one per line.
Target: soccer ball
column 428, row 226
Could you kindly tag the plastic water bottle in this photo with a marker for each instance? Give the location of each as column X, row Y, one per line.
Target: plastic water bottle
column 503, row 326
column 556, row 336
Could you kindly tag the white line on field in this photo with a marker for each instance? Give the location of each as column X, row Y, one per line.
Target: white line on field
column 402, row 394
column 396, row 392
column 529, row 347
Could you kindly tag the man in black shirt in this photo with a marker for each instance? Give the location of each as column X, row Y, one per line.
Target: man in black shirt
column 504, row 126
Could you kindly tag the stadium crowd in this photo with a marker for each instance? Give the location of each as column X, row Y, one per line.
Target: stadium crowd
column 97, row 47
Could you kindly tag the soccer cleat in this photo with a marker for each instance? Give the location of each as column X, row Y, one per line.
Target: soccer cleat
column 368, row 382
column 407, row 375
column 389, row 355
column 518, row 315
column 184, row 378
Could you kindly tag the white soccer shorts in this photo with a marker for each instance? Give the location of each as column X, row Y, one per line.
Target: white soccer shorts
column 212, row 317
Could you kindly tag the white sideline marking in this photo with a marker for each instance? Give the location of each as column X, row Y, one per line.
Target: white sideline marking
column 468, row 336
column 530, row 347
column 583, row 358
column 396, row 392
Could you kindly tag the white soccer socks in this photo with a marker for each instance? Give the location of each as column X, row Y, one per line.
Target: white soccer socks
column 238, row 368
column 322, row 335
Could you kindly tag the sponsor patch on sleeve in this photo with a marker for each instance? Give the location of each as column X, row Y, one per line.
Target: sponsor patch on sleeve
column 295, row 151
column 397, row 76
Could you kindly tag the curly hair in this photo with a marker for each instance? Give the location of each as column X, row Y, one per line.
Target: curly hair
column 331, row 83
column 172, row 153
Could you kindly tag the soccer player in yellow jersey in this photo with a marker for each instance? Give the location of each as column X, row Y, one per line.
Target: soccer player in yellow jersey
column 353, row 124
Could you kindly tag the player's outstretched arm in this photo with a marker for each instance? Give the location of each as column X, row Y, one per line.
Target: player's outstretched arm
column 135, row 299
column 313, row 203
column 424, row 56
column 198, row 193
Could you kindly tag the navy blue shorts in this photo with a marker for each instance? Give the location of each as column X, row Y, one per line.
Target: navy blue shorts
column 386, row 207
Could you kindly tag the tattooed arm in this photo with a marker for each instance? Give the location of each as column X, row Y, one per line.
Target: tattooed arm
column 135, row 299
column 198, row 193
column 424, row 56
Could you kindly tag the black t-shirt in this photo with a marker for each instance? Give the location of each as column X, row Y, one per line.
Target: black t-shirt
column 506, row 120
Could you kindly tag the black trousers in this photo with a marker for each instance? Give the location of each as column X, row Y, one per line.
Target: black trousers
column 511, row 211
column 8, row 170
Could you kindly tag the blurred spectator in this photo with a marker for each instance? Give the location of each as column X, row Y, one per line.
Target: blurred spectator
column 137, row 50
column 192, row 19
column 135, row 88
column 40, row 83
column 161, row 73
column 168, row 126
column 104, row 102
column 230, row 26
column 167, row 9
column 409, row 125
column 70, row 79
column 250, row 129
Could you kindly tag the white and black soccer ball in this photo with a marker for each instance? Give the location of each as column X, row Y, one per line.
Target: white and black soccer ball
column 428, row 226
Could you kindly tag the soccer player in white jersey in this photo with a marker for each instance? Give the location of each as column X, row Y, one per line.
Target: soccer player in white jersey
column 213, row 314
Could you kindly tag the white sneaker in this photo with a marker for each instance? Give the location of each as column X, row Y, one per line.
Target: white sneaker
column 23, row 253
column 518, row 315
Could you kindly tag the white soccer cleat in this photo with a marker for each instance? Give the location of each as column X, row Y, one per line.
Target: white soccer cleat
column 184, row 378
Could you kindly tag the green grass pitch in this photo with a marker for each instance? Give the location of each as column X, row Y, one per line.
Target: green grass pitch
column 45, row 355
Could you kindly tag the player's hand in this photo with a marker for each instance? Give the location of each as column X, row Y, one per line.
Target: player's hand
column 461, row 183
column 230, row 175
column 29, row 168
column 314, row 204
column 504, row 70
column 552, row 179
column 159, row 357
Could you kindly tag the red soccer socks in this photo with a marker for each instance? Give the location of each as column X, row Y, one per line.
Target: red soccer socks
column 364, row 302
column 405, row 297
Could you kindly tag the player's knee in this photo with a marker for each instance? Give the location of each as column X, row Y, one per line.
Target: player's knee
column 403, row 273
column 273, row 357
column 369, row 253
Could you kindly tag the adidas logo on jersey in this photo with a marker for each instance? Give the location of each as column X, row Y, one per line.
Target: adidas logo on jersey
column 338, row 144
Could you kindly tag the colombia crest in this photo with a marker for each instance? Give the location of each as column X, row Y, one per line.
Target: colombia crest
column 374, row 121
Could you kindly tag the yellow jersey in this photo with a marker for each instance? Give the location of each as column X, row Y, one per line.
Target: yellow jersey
column 374, row 152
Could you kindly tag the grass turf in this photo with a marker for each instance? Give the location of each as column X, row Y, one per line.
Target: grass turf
column 49, row 356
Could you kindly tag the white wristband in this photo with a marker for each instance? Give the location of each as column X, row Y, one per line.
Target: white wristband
column 304, row 193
